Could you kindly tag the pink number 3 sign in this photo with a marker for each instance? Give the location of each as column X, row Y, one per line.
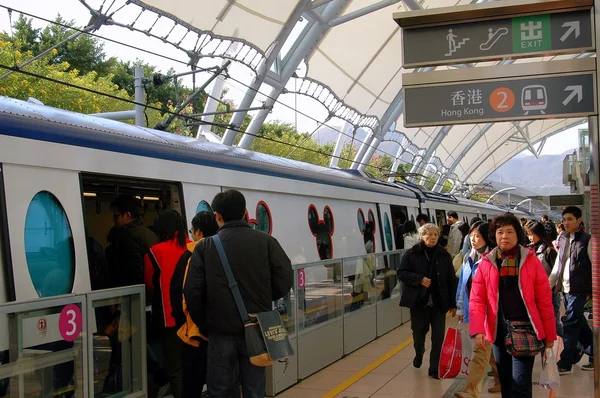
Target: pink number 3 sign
column 69, row 322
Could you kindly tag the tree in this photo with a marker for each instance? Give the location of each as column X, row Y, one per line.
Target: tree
column 84, row 53
column 21, row 86
column 278, row 138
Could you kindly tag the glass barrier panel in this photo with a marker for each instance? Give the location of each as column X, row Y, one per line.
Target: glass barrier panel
column 45, row 355
column 359, row 283
column 388, row 285
column 320, row 298
column 117, row 346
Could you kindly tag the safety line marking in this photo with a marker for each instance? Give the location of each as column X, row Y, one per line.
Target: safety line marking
column 366, row 370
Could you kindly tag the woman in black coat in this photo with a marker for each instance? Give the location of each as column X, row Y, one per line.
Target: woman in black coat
column 429, row 290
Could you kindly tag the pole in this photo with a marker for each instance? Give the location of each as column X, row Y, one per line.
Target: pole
column 140, row 120
column 595, row 242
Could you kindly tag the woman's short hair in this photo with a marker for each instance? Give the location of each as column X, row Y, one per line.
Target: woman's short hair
column 505, row 220
column 425, row 228
column 484, row 228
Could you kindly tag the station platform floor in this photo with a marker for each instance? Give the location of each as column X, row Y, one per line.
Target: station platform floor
column 383, row 369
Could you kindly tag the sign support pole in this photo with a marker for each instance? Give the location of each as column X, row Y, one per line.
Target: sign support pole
column 594, row 177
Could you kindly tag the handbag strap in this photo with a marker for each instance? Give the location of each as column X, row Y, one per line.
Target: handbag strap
column 239, row 302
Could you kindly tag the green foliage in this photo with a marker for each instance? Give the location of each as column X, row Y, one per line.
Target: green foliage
column 84, row 53
column 58, row 95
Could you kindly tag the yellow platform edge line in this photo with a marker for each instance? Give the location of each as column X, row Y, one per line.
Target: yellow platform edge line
column 366, row 370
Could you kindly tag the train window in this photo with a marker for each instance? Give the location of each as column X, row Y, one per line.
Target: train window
column 203, row 206
column 361, row 220
column 328, row 218
column 412, row 217
column 484, row 217
column 387, row 229
column 263, row 218
column 49, row 247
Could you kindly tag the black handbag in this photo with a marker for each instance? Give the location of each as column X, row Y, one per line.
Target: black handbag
column 266, row 337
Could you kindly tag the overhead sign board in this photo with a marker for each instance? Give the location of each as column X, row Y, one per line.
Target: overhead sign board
column 502, row 99
column 517, row 37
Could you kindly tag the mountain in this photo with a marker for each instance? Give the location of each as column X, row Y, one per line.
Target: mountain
column 542, row 176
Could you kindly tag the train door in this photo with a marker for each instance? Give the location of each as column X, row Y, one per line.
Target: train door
column 46, row 231
column 396, row 211
column 6, row 286
column 440, row 216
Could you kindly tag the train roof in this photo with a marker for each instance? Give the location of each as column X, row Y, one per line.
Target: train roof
column 44, row 123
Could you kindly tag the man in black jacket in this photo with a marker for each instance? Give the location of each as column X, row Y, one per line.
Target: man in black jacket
column 572, row 275
column 263, row 273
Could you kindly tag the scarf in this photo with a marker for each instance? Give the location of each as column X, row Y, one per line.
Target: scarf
column 510, row 264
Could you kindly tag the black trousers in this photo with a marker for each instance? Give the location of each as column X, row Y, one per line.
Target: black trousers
column 194, row 362
column 420, row 320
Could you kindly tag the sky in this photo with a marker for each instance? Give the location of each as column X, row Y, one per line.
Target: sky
column 283, row 110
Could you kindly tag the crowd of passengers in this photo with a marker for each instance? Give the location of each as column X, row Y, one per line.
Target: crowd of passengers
column 495, row 275
column 194, row 331
column 490, row 274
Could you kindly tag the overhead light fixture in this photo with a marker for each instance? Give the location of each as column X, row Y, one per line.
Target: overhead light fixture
column 149, row 198
column 89, row 194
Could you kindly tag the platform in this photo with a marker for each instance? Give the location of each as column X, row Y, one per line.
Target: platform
column 383, row 369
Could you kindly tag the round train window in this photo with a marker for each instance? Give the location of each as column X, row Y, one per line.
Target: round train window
column 203, row 206
column 49, row 247
column 387, row 228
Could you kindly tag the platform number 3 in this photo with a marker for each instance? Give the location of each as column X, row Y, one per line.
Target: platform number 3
column 70, row 322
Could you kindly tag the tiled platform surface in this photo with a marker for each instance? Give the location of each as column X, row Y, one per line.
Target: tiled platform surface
column 396, row 377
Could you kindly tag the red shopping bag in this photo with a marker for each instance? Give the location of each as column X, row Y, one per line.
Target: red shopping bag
column 451, row 356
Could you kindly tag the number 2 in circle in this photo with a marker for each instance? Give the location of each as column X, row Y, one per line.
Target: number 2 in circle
column 502, row 99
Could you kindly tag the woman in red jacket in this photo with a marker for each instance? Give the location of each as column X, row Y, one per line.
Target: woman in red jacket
column 159, row 269
column 511, row 287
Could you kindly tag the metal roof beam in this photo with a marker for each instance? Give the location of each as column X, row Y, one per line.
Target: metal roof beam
column 362, row 12
column 308, row 43
column 525, row 134
column 263, row 69
column 483, row 159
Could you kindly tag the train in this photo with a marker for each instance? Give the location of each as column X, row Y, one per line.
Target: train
column 60, row 170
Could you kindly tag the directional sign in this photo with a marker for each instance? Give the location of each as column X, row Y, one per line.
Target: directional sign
column 566, row 32
column 523, row 98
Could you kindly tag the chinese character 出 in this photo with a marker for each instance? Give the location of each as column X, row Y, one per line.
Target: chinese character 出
column 458, row 98
column 475, row 96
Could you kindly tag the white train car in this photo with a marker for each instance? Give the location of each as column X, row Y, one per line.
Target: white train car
column 60, row 170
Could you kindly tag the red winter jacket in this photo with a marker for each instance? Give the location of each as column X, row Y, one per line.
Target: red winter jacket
column 158, row 280
column 535, row 290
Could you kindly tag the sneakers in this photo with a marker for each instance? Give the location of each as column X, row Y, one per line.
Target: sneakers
column 588, row 367
column 418, row 361
column 562, row 371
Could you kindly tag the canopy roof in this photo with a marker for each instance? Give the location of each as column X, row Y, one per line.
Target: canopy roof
column 353, row 68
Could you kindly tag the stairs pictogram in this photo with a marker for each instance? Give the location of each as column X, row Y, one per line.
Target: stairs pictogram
column 458, row 46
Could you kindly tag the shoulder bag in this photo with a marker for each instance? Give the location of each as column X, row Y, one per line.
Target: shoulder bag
column 266, row 336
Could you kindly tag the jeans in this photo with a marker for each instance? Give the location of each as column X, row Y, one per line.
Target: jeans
column 420, row 319
column 515, row 374
column 556, row 300
column 228, row 357
column 576, row 330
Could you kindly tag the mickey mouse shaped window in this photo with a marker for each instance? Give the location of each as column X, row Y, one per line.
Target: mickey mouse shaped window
column 322, row 230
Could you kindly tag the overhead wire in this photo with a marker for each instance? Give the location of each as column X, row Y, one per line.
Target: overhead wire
column 352, row 137
column 38, row 76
